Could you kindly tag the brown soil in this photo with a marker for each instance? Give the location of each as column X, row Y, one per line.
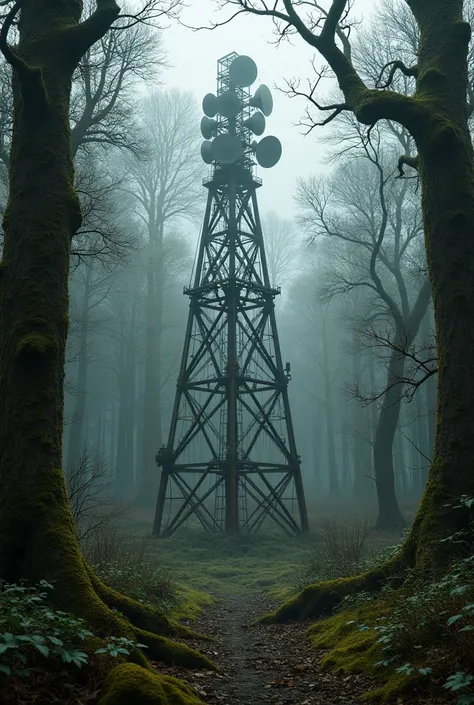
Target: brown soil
column 268, row 664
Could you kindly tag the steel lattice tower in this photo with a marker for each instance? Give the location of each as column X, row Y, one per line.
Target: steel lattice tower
column 231, row 458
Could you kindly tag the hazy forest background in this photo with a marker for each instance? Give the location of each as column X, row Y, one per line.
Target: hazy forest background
column 341, row 325
column 356, row 321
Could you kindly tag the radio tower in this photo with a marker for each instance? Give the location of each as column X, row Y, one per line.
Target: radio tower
column 231, row 459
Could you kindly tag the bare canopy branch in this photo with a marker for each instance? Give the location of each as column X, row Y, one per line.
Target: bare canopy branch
column 324, row 30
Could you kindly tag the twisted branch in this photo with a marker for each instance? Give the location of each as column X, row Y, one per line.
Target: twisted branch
column 407, row 160
column 396, row 66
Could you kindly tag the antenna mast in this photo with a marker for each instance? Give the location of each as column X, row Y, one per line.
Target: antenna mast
column 231, row 459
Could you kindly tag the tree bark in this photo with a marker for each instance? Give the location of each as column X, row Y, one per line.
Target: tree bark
column 427, row 330
column 422, row 441
column 42, row 214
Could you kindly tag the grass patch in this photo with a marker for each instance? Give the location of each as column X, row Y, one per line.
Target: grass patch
column 270, row 561
column 224, row 565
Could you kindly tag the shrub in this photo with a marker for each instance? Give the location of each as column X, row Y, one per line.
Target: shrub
column 340, row 553
column 428, row 630
column 90, row 485
column 132, row 566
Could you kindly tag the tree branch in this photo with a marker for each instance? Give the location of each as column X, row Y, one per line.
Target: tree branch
column 368, row 105
column 395, row 66
column 81, row 37
column 335, row 108
column 30, row 78
column 407, row 160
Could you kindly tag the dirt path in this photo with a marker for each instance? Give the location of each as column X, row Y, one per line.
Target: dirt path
column 269, row 664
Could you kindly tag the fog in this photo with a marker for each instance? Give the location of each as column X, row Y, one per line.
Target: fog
column 354, row 317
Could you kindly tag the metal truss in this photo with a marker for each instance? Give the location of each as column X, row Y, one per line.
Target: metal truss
column 231, row 460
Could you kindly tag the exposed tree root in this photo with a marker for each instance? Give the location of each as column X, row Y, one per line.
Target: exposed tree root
column 159, row 648
column 320, row 599
column 422, row 553
column 141, row 616
column 128, row 684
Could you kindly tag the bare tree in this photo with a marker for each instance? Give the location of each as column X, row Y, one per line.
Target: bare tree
column 166, row 187
column 90, row 486
column 282, row 247
column 313, row 316
column 372, row 215
column 103, row 106
column 107, row 232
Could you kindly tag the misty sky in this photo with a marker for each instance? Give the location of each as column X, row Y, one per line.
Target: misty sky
column 194, row 57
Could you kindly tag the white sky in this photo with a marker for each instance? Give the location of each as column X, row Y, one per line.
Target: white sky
column 194, row 57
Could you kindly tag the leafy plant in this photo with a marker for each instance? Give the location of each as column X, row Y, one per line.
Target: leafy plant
column 33, row 631
column 432, row 623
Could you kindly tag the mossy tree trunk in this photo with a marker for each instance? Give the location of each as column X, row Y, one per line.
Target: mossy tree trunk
column 42, row 214
column 37, row 533
column 436, row 116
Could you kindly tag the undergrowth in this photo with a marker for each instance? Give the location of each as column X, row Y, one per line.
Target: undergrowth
column 133, row 567
column 39, row 643
column 343, row 549
column 417, row 635
column 267, row 562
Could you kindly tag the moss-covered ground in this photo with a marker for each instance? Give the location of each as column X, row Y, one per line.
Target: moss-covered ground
column 268, row 562
column 224, row 565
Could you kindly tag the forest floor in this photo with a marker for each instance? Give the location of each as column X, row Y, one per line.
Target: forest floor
column 268, row 664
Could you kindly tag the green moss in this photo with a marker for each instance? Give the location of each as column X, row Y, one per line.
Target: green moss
column 190, row 603
column 350, row 650
column 128, row 684
column 142, row 616
column 234, row 564
column 35, row 344
column 159, row 648
column 319, row 600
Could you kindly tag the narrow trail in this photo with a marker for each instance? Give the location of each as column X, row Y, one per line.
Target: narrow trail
column 269, row 664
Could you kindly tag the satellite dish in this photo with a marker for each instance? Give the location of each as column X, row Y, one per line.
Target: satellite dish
column 226, row 148
column 228, row 104
column 256, row 123
column 263, row 100
column 243, row 71
column 209, row 105
column 206, row 152
column 208, row 127
column 268, row 152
